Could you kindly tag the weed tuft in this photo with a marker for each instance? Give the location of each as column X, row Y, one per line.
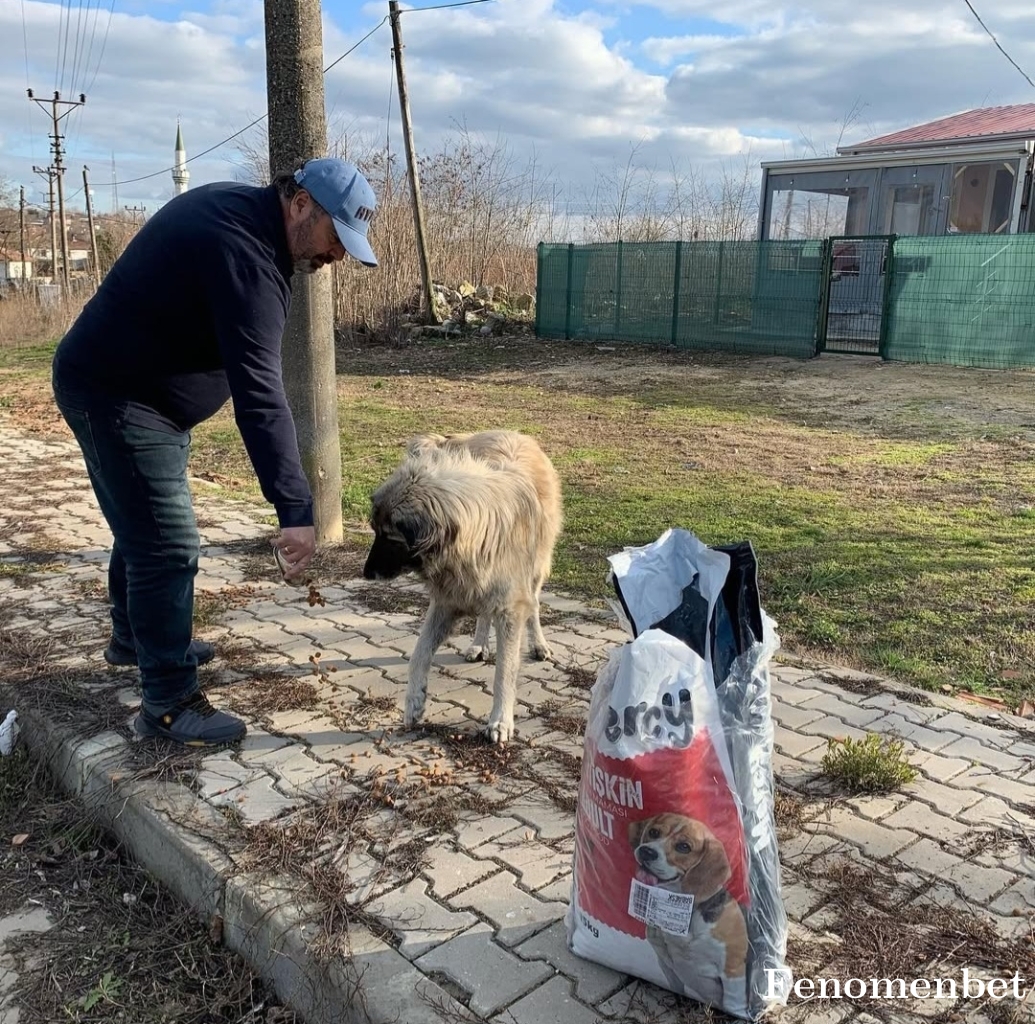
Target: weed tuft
column 875, row 764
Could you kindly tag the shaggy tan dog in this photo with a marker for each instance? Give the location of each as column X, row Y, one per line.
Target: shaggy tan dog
column 477, row 516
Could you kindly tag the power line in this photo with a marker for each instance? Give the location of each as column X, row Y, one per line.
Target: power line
column 442, row 7
column 205, row 152
column 80, row 41
column 25, row 43
column 93, row 39
column 230, row 138
column 991, row 36
column 57, row 61
column 357, row 45
column 104, row 44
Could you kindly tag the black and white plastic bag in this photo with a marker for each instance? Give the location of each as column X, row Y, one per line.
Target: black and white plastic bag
column 677, row 873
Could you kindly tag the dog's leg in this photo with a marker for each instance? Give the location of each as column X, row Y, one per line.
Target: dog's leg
column 541, row 650
column 510, row 633
column 668, row 967
column 435, row 629
column 479, row 649
column 735, row 995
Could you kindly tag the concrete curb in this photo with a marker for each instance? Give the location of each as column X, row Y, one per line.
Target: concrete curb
column 259, row 918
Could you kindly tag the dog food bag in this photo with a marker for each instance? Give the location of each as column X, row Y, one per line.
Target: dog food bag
column 677, row 875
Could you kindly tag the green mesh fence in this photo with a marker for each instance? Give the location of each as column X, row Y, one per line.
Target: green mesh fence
column 968, row 300
column 753, row 297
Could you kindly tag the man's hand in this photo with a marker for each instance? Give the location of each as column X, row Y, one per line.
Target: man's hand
column 297, row 545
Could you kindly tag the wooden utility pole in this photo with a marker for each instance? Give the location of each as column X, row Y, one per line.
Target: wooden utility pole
column 21, row 227
column 59, row 168
column 427, row 300
column 298, row 132
column 50, row 173
column 93, row 234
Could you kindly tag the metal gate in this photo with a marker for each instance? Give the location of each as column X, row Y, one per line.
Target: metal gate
column 854, row 300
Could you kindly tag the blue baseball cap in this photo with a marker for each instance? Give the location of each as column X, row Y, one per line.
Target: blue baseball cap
column 347, row 196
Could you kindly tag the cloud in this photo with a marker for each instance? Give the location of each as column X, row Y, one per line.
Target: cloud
column 578, row 88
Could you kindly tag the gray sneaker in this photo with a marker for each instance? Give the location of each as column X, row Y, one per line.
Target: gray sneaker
column 193, row 722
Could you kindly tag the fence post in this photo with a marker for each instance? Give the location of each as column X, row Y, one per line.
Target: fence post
column 539, row 252
column 885, row 305
column 618, row 292
column 718, row 288
column 824, row 295
column 675, row 292
column 567, row 293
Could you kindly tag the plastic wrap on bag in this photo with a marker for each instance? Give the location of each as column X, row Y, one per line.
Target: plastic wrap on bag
column 8, row 733
column 677, row 875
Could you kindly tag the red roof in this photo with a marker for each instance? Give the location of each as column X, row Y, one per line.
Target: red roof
column 985, row 123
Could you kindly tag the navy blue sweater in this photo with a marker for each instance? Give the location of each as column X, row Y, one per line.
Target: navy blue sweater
column 190, row 315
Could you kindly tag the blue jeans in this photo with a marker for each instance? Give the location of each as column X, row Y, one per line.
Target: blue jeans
column 140, row 478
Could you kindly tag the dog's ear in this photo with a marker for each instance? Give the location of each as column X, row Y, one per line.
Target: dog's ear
column 636, row 831
column 711, row 872
column 424, row 535
column 422, row 444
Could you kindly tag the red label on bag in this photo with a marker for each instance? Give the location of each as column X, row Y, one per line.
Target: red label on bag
column 661, row 818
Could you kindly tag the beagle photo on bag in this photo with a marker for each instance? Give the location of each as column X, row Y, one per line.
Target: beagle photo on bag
column 696, row 928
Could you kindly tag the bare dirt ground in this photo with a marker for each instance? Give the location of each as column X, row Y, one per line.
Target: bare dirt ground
column 840, row 390
column 852, row 390
column 897, row 399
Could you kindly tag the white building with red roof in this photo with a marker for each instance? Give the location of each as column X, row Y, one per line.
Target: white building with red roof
column 970, row 173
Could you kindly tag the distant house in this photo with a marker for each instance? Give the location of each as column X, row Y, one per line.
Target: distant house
column 970, row 173
column 15, row 270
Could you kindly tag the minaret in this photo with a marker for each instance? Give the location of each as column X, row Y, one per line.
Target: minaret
column 180, row 173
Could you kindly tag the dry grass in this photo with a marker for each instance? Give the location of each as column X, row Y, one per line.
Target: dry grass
column 789, row 811
column 581, row 677
column 383, row 597
column 319, row 845
column 272, row 694
column 24, row 320
column 34, row 676
column 123, row 949
column 565, row 717
column 211, row 605
column 888, row 930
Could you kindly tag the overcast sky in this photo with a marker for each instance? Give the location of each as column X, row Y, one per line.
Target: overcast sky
column 578, row 82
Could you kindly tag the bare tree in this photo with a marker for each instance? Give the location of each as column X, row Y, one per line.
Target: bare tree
column 851, row 118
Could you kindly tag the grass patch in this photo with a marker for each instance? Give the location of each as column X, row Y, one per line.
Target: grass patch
column 890, row 522
column 874, row 764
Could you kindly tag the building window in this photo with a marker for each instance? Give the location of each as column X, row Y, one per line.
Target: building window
column 982, row 198
column 909, row 210
column 818, row 213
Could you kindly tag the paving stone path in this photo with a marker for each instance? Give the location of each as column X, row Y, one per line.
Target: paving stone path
column 425, row 875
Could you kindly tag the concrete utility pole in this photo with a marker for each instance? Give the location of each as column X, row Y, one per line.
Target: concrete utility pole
column 50, row 173
column 59, row 168
column 427, row 303
column 93, row 234
column 298, row 132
